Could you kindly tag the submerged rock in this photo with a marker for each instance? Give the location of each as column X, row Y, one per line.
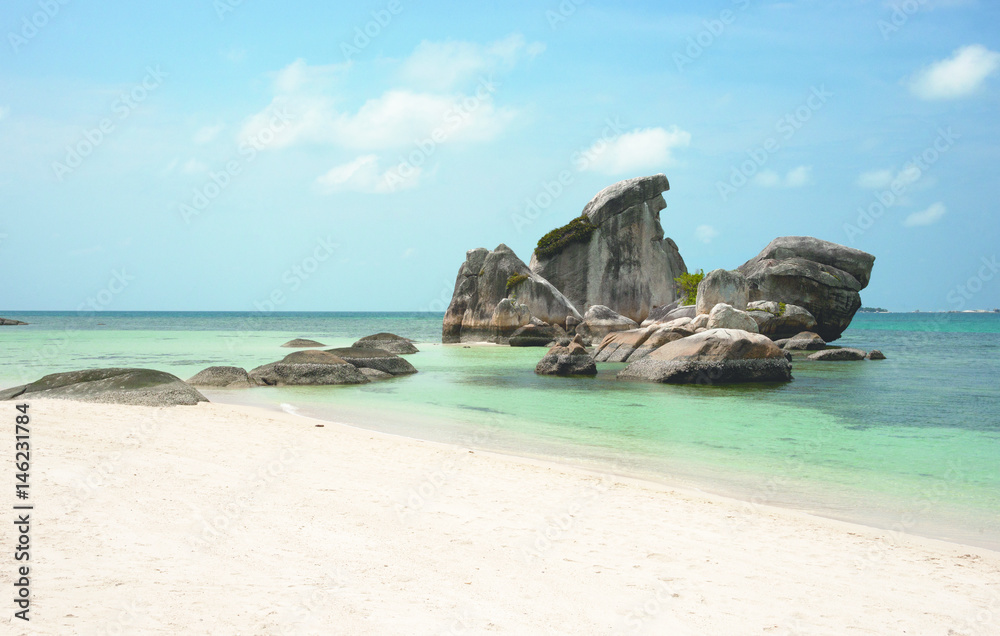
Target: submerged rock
column 301, row 343
column 307, row 368
column 822, row 277
column 374, row 359
column 142, row 387
column 484, row 280
column 804, row 341
column 222, row 377
column 875, row 354
column 387, row 342
column 571, row 359
column 715, row 356
column 615, row 253
column 838, row 355
column 5, row 322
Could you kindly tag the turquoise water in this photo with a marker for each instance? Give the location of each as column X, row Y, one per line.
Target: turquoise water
column 910, row 443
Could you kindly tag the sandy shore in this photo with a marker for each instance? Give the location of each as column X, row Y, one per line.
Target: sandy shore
column 233, row 520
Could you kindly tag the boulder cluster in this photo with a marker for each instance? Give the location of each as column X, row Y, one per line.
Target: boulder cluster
column 607, row 279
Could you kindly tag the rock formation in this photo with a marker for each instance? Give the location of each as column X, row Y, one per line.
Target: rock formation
column 142, row 387
column 780, row 320
column 571, row 359
column 722, row 286
column 302, row 343
column 716, row 356
column 10, row 322
column 599, row 321
column 614, row 254
column 822, row 277
column 387, row 342
column 725, row 316
column 484, row 280
column 222, row 378
column 838, row 355
column 374, row 359
column 804, row 341
column 307, row 368
column 532, row 335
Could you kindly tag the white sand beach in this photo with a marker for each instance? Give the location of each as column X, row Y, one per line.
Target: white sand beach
column 220, row 519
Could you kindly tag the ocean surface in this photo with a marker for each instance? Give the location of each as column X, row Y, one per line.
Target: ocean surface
column 911, row 443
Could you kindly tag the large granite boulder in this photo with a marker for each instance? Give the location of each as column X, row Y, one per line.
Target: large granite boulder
column 302, row 343
column 387, row 342
column 659, row 313
column 804, row 341
column 626, row 346
column 142, row 387
column 846, row 354
column 683, row 311
column 725, row 316
column 722, row 286
column 716, row 356
column 615, row 253
column 8, row 322
column 780, row 320
column 532, row 335
column 374, row 359
column 599, row 321
column 822, row 277
column 571, row 359
column 484, row 280
column 307, row 368
column 222, row 378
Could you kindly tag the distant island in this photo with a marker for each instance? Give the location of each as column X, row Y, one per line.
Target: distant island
column 873, row 310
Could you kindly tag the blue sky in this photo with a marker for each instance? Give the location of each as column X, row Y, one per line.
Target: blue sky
column 224, row 155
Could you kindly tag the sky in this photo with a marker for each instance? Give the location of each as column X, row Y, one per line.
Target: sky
column 248, row 155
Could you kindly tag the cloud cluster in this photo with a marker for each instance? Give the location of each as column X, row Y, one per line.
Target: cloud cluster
column 794, row 178
column 636, row 151
column 958, row 76
column 931, row 215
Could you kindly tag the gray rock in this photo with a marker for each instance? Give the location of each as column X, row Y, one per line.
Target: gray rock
column 304, row 368
column 600, row 321
column 804, row 341
column 722, row 286
column 684, row 311
column 838, row 355
column 698, row 322
column 625, row 262
column 481, row 285
column 725, row 316
column 222, row 377
column 626, row 346
column 10, row 322
column 301, row 343
column 536, row 335
column 715, row 356
column 659, row 313
column 779, row 320
column 375, row 374
column 875, row 354
column 822, row 277
column 568, row 360
column 387, row 342
column 143, row 387
column 374, row 359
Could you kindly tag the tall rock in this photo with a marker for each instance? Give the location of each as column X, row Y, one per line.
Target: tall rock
column 477, row 312
column 821, row 276
column 615, row 254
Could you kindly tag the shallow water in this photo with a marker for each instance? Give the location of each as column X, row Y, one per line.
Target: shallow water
column 911, row 443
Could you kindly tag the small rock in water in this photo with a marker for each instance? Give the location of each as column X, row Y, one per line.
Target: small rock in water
column 875, row 354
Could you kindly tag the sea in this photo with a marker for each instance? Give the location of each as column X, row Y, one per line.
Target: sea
column 910, row 444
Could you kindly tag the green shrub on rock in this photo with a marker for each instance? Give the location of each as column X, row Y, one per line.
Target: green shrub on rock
column 687, row 286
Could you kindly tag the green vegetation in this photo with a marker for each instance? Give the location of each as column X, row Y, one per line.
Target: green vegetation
column 576, row 231
column 514, row 280
column 687, row 286
column 781, row 308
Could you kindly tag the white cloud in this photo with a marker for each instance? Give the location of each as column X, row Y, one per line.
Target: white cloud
column 193, row 166
column 884, row 179
column 639, row 150
column 705, row 233
column 442, row 65
column 300, row 77
column 957, row 76
column 931, row 215
column 794, row 178
column 362, row 175
column 206, row 134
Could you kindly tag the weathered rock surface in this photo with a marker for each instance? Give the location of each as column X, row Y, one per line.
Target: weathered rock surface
column 301, row 343
column 698, row 322
column 387, row 342
column 822, row 277
column 482, row 284
column 571, row 359
column 804, row 341
column 599, row 321
column 10, row 322
column 780, row 320
column 875, row 354
column 222, row 377
column 725, row 316
column 307, row 368
column 724, row 287
column 375, row 374
column 625, row 262
column 715, row 356
column 374, row 359
column 684, row 311
column 627, row 346
column 659, row 313
column 536, row 335
column 143, row 387
column 838, row 355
